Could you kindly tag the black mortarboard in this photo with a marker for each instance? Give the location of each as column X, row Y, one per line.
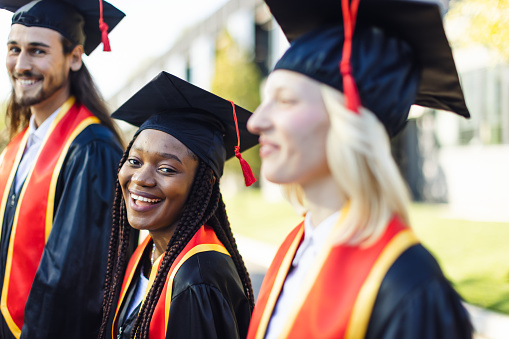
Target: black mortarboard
column 202, row 121
column 83, row 22
column 399, row 55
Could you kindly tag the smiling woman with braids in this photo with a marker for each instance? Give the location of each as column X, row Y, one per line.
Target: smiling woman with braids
column 187, row 279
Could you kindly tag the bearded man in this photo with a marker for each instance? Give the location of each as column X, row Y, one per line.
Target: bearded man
column 57, row 174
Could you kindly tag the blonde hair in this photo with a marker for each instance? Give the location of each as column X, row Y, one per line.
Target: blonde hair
column 360, row 159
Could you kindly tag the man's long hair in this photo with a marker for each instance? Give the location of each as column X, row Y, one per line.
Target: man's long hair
column 82, row 87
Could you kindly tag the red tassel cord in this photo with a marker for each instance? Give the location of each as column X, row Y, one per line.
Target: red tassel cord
column 352, row 100
column 249, row 177
column 104, row 29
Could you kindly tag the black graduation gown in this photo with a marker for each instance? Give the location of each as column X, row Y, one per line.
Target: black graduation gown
column 66, row 296
column 415, row 301
column 208, row 300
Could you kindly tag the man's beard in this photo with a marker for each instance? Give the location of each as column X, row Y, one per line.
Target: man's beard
column 25, row 101
column 40, row 96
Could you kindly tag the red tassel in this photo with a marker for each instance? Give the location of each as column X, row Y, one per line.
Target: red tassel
column 352, row 100
column 104, row 37
column 249, row 177
column 104, row 29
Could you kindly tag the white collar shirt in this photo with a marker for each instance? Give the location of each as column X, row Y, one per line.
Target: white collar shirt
column 314, row 239
column 36, row 136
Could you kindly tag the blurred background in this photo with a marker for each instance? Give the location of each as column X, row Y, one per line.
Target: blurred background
column 457, row 170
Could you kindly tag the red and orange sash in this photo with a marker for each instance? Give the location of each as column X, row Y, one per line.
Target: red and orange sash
column 33, row 218
column 338, row 295
column 204, row 240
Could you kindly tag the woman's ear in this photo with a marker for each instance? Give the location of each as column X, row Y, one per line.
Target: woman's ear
column 76, row 61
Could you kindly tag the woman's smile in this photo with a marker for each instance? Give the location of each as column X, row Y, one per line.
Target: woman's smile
column 140, row 203
column 156, row 180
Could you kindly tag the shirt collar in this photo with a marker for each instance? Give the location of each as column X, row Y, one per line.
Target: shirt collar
column 38, row 133
column 315, row 237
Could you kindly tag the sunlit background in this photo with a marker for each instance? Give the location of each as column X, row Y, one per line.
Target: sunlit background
column 457, row 170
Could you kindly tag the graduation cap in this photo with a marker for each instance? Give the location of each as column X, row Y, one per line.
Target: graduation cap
column 210, row 126
column 393, row 53
column 83, row 22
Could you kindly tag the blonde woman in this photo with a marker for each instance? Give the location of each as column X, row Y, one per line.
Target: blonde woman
column 353, row 268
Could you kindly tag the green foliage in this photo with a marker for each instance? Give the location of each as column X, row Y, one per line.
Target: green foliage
column 237, row 78
column 484, row 22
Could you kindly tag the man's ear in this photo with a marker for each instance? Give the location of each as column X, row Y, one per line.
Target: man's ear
column 76, row 61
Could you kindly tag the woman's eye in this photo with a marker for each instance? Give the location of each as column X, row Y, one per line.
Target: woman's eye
column 133, row 162
column 287, row 100
column 166, row 170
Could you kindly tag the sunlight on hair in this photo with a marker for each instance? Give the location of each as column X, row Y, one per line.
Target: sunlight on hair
column 359, row 155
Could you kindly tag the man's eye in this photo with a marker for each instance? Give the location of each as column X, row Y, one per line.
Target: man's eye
column 14, row 49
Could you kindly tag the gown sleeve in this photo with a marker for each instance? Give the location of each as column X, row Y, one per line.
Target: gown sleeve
column 416, row 301
column 208, row 302
column 66, row 295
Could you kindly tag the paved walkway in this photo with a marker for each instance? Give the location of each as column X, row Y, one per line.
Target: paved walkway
column 258, row 255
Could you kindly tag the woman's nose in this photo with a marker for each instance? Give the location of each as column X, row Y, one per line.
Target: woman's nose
column 259, row 121
column 143, row 176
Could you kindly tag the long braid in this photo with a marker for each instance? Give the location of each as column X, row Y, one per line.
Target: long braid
column 194, row 216
column 114, row 267
column 204, row 204
column 225, row 235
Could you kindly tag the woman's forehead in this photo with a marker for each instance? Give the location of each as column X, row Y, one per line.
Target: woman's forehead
column 282, row 80
column 155, row 141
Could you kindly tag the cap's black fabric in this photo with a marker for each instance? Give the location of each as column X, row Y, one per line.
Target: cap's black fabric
column 199, row 119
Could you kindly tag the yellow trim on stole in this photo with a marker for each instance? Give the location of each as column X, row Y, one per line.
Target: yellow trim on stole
column 14, row 168
column 155, row 268
column 195, row 250
column 278, row 284
column 310, row 279
column 128, row 282
column 56, row 173
column 363, row 306
column 16, row 331
column 49, row 222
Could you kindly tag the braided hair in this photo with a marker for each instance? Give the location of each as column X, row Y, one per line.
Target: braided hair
column 204, row 206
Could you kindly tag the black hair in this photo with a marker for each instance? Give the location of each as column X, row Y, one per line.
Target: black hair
column 204, row 206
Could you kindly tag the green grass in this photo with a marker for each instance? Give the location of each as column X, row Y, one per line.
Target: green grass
column 473, row 255
column 252, row 216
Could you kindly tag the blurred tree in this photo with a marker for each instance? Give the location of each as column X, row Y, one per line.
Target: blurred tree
column 237, row 78
column 484, row 22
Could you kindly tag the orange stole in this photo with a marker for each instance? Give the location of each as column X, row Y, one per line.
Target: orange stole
column 33, row 217
column 342, row 295
column 204, row 240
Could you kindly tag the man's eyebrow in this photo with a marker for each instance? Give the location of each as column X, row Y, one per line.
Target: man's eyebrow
column 33, row 44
